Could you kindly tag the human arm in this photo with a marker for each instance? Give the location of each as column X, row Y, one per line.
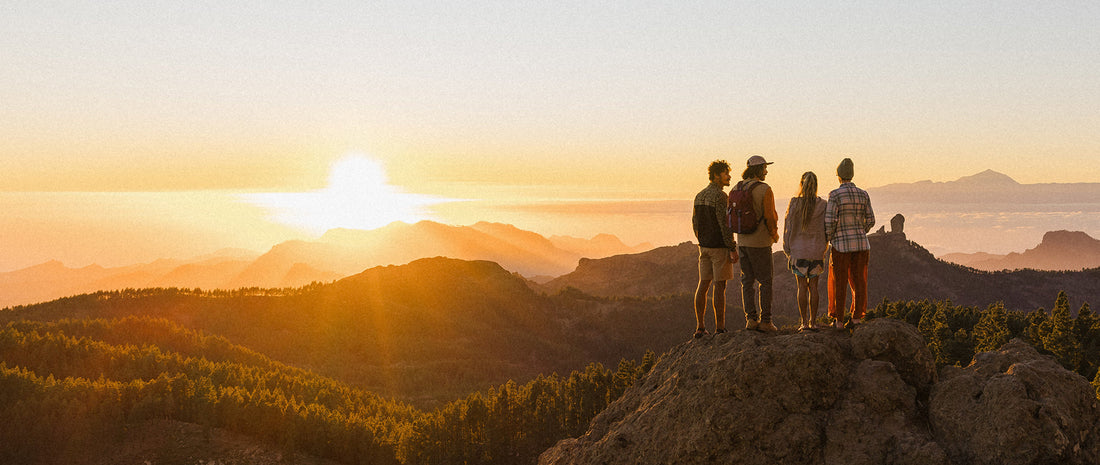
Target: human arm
column 770, row 214
column 869, row 221
column 830, row 217
column 788, row 229
column 721, row 213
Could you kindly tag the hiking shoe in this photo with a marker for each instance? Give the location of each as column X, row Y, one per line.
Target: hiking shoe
column 766, row 327
column 751, row 325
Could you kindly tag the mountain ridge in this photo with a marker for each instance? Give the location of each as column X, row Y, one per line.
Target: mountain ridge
column 988, row 186
column 1058, row 251
column 899, row 270
column 337, row 253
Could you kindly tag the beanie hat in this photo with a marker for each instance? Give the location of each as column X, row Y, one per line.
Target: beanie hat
column 846, row 170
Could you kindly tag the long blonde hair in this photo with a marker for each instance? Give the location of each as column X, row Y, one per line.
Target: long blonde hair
column 807, row 193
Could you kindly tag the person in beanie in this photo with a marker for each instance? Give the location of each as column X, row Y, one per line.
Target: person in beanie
column 755, row 248
column 716, row 247
column 848, row 219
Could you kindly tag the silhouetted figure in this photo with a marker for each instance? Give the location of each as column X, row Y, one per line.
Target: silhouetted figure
column 804, row 243
column 755, row 248
column 716, row 247
column 848, row 218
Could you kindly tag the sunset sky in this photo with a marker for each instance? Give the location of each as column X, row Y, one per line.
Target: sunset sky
column 255, row 103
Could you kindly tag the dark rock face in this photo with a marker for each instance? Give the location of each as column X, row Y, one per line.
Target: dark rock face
column 1014, row 406
column 897, row 224
column 864, row 397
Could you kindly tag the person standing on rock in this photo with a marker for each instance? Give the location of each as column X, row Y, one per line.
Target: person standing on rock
column 755, row 248
column 848, row 219
column 805, row 244
column 716, row 247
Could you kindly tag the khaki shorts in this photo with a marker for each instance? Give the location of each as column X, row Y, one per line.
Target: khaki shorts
column 715, row 264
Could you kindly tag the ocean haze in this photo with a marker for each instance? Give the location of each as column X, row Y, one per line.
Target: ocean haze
column 986, row 212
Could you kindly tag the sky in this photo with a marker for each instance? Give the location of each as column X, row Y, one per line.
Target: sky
column 176, row 103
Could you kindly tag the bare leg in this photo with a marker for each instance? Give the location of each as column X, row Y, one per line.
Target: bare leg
column 814, row 297
column 803, row 301
column 719, row 299
column 701, row 302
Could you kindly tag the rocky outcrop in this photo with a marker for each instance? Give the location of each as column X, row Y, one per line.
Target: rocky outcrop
column 869, row 396
column 1015, row 406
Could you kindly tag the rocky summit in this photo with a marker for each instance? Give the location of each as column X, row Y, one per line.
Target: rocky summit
column 868, row 396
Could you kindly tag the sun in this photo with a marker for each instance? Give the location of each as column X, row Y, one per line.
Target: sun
column 358, row 196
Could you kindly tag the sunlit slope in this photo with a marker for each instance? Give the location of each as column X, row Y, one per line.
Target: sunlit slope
column 430, row 331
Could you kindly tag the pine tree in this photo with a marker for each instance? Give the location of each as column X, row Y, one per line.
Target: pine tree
column 992, row 331
column 1087, row 329
column 1033, row 333
column 1058, row 334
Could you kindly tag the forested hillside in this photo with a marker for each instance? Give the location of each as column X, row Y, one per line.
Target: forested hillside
column 71, row 390
column 437, row 362
column 425, row 333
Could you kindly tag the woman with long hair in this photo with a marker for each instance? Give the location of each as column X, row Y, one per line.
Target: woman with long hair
column 805, row 244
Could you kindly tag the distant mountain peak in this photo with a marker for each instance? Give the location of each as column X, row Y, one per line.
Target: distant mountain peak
column 989, row 177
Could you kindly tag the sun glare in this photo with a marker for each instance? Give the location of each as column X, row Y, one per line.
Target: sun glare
column 358, row 196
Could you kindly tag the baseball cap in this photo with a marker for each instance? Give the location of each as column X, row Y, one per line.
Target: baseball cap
column 758, row 160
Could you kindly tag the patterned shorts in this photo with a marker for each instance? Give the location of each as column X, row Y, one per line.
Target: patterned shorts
column 805, row 268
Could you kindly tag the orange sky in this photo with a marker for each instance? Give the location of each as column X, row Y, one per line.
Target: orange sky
column 509, row 102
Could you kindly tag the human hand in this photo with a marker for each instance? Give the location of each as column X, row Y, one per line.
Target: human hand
column 733, row 256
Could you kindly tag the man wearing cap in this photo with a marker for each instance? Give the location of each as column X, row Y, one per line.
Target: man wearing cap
column 755, row 249
column 848, row 219
column 716, row 247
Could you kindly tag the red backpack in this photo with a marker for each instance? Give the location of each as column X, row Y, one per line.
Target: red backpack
column 740, row 213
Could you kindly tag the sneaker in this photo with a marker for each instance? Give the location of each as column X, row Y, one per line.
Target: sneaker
column 751, row 325
column 766, row 327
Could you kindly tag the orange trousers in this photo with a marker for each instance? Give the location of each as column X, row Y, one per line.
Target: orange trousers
column 848, row 268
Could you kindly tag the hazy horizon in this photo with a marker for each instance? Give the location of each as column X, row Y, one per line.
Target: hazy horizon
column 136, row 131
column 118, row 229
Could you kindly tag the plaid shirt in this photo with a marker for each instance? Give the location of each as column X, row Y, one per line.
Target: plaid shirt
column 848, row 218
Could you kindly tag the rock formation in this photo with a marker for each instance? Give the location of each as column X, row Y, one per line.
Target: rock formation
column 866, row 397
column 897, row 224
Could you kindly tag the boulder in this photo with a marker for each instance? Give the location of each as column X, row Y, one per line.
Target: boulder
column 750, row 398
column 869, row 396
column 1015, row 406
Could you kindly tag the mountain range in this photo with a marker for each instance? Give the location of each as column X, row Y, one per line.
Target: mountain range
column 899, row 270
column 986, row 187
column 338, row 253
column 384, row 329
column 1059, row 250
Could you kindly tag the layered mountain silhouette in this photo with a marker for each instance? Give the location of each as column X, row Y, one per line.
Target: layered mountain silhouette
column 1059, row 250
column 899, row 270
column 338, row 253
column 986, row 187
column 384, row 329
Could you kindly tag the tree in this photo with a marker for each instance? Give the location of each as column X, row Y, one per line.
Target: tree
column 1058, row 334
column 992, row 331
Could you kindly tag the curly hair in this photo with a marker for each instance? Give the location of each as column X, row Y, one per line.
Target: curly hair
column 717, row 167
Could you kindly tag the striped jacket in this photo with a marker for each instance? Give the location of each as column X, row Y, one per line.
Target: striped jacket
column 848, row 218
